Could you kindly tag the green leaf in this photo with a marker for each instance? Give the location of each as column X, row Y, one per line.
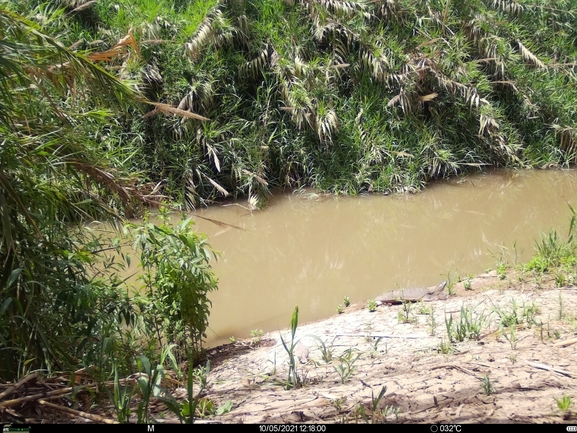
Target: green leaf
column 5, row 305
column 224, row 408
column 145, row 364
column 13, row 276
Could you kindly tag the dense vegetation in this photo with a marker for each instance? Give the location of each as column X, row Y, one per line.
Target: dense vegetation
column 347, row 96
column 243, row 96
column 62, row 304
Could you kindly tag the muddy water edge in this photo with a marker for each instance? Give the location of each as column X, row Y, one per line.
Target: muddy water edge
column 312, row 250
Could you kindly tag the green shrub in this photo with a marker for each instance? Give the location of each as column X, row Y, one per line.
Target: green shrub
column 177, row 280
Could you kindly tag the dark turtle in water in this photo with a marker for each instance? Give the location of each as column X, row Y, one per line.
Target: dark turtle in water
column 415, row 294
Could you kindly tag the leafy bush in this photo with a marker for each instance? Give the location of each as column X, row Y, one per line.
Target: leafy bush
column 177, row 279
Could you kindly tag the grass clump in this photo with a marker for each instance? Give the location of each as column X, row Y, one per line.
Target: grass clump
column 555, row 254
column 468, row 327
column 487, row 386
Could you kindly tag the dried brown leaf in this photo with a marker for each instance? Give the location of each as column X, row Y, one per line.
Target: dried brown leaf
column 169, row 109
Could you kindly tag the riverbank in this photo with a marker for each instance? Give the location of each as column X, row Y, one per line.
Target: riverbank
column 398, row 364
column 394, row 365
column 500, row 374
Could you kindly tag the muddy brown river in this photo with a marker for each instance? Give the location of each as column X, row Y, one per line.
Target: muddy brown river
column 312, row 250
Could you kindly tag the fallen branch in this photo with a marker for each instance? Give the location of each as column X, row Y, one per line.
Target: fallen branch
column 456, row 367
column 380, row 336
column 13, row 388
column 78, row 413
column 566, row 343
column 546, row 367
column 222, row 224
column 17, row 401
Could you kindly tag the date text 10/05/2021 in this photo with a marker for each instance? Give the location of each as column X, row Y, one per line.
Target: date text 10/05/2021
column 322, row 428
column 292, row 428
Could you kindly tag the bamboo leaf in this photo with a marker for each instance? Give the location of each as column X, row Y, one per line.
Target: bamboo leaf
column 429, row 97
column 217, row 186
column 169, row 109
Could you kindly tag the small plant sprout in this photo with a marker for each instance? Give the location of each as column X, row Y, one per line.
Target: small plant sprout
column 404, row 312
column 121, row 398
column 468, row 283
column 432, row 322
column 449, row 327
column 540, row 325
column 224, row 408
column 375, row 400
column 452, row 279
column 423, row 308
column 374, row 415
column 372, row 305
column 340, row 309
column 563, row 403
column 560, row 279
column 256, row 334
column 346, row 368
column 375, row 351
column 346, row 301
column 469, row 326
column 205, row 407
column 486, row 385
column 326, row 352
column 445, row 347
column 232, row 339
column 509, row 318
column 338, row 404
column 502, row 270
column 529, row 313
column 293, row 379
column 510, row 336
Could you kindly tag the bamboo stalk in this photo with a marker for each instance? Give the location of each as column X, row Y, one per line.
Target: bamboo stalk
column 13, row 388
column 78, row 413
column 16, row 401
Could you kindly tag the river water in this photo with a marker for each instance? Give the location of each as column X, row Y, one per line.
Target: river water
column 312, row 250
